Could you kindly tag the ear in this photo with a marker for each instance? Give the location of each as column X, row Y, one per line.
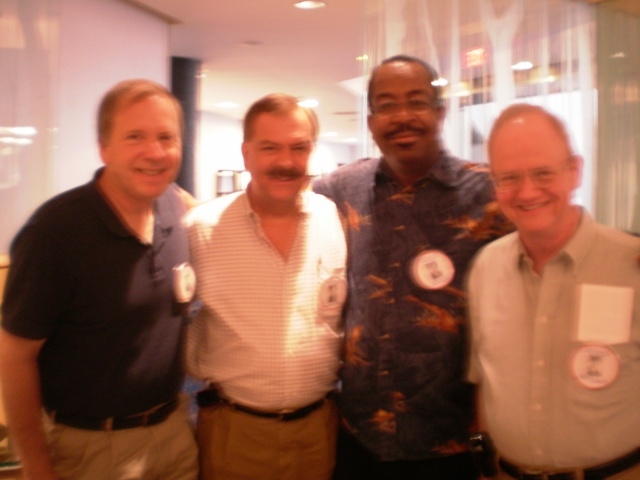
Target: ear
column 245, row 154
column 369, row 121
column 575, row 167
column 441, row 112
column 103, row 153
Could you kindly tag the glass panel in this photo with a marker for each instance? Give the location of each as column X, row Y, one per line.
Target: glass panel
column 478, row 46
column 28, row 46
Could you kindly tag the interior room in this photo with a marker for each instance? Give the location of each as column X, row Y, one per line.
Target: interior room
column 579, row 58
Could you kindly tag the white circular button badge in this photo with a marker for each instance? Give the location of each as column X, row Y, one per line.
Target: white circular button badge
column 333, row 293
column 184, row 282
column 595, row 366
column 432, row 270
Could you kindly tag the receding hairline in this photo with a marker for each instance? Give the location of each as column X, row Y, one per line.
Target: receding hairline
column 519, row 110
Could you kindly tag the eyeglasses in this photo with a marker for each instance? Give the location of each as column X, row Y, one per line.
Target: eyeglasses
column 412, row 106
column 542, row 177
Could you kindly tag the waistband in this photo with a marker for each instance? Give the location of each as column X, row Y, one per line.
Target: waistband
column 210, row 397
column 150, row 417
column 598, row 472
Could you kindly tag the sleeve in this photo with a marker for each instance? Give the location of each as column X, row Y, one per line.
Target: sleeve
column 37, row 285
column 473, row 287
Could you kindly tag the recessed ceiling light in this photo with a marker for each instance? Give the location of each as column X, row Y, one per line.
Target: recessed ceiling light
column 225, row 105
column 522, row 66
column 309, row 103
column 440, row 82
column 309, row 4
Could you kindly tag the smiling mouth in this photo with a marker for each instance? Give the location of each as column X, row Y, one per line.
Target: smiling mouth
column 150, row 172
column 529, row 208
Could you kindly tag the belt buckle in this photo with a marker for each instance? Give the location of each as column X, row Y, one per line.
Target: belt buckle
column 107, row 425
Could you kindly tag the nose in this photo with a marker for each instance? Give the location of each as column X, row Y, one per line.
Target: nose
column 154, row 148
column 403, row 111
column 527, row 186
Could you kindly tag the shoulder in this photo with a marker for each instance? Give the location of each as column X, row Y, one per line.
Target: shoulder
column 64, row 210
column 318, row 202
column 612, row 242
column 501, row 250
column 347, row 175
column 470, row 175
column 209, row 213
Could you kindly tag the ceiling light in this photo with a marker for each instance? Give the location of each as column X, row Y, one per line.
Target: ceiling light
column 310, row 103
column 522, row 66
column 440, row 82
column 226, row 105
column 309, row 4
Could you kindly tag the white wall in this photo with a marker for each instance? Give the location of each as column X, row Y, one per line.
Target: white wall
column 219, row 144
column 57, row 60
column 101, row 43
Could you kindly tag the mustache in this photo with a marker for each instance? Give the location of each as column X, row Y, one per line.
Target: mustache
column 402, row 129
column 281, row 172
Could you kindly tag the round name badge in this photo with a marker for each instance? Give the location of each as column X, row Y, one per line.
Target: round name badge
column 432, row 270
column 333, row 293
column 595, row 366
column 184, row 282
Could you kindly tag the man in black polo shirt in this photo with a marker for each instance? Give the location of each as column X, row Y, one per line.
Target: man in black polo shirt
column 94, row 309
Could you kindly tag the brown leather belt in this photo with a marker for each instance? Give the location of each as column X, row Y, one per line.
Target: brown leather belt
column 599, row 472
column 210, row 397
column 153, row 416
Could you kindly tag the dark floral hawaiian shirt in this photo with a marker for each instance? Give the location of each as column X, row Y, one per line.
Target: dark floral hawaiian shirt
column 403, row 389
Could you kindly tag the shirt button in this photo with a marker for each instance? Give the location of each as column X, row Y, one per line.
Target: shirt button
column 544, row 319
column 384, row 373
column 537, row 407
column 386, row 336
column 540, row 363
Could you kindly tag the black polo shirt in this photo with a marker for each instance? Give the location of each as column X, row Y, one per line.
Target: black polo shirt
column 104, row 302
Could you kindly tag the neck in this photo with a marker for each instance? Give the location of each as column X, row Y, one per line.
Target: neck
column 542, row 248
column 279, row 223
column 408, row 172
column 273, row 209
column 137, row 216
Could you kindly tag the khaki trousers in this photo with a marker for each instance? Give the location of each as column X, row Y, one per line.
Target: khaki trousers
column 239, row 446
column 166, row 451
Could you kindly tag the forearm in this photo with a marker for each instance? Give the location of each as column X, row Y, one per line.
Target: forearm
column 23, row 406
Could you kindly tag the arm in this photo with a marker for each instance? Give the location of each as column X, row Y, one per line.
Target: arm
column 20, row 381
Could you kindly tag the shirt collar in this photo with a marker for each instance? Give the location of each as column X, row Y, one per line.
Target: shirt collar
column 303, row 201
column 164, row 221
column 575, row 250
column 446, row 171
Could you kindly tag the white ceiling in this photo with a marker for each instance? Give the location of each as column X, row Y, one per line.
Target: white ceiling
column 249, row 48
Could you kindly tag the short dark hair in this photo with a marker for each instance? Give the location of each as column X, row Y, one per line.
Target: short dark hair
column 125, row 93
column 433, row 75
column 277, row 103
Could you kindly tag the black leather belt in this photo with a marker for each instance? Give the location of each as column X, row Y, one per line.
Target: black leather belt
column 210, row 397
column 599, row 472
column 153, row 416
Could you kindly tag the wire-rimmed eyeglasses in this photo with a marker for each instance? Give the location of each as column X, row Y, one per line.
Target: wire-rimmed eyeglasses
column 541, row 177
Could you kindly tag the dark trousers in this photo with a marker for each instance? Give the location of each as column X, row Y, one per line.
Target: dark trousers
column 354, row 462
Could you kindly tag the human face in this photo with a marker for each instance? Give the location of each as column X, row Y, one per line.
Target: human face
column 143, row 151
column 277, row 156
column 406, row 137
column 527, row 146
